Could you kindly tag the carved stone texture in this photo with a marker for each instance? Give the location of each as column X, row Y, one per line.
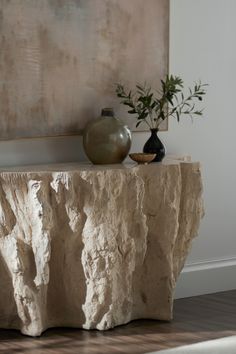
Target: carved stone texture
column 94, row 247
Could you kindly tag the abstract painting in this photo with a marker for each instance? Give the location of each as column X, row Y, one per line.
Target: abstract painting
column 60, row 60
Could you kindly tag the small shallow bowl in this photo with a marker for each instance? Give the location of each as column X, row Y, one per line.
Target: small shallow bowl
column 142, row 158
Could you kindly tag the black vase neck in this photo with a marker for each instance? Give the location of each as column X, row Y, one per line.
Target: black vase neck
column 107, row 112
column 154, row 130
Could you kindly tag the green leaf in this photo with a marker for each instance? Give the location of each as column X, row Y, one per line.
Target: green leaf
column 140, row 88
column 143, row 115
column 137, row 124
column 127, row 104
column 177, row 114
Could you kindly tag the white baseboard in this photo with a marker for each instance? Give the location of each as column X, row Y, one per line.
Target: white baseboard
column 206, row 277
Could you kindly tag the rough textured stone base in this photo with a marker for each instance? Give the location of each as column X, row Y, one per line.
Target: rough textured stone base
column 94, row 247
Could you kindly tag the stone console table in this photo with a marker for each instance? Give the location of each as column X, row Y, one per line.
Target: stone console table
column 94, row 247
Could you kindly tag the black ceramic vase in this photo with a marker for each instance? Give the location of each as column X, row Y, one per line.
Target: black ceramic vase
column 154, row 146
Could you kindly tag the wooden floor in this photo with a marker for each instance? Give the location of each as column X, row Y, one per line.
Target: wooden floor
column 195, row 319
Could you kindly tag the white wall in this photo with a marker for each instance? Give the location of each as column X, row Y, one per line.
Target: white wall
column 202, row 45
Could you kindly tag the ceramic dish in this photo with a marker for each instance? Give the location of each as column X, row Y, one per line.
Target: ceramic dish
column 142, row 158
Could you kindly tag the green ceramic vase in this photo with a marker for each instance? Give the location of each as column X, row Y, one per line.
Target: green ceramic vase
column 106, row 140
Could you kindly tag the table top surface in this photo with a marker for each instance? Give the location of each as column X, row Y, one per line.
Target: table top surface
column 87, row 166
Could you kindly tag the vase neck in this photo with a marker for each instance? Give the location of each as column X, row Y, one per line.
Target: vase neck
column 107, row 112
column 154, row 130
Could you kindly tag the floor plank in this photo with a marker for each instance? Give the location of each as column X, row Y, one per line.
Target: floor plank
column 195, row 319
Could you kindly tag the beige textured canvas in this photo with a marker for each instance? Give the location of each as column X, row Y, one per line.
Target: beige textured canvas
column 59, row 60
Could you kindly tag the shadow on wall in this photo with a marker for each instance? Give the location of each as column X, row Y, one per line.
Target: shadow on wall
column 41, row 150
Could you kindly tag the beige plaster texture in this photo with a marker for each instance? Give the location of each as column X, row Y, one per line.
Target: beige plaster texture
column 60, row 60
column 94, row 246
